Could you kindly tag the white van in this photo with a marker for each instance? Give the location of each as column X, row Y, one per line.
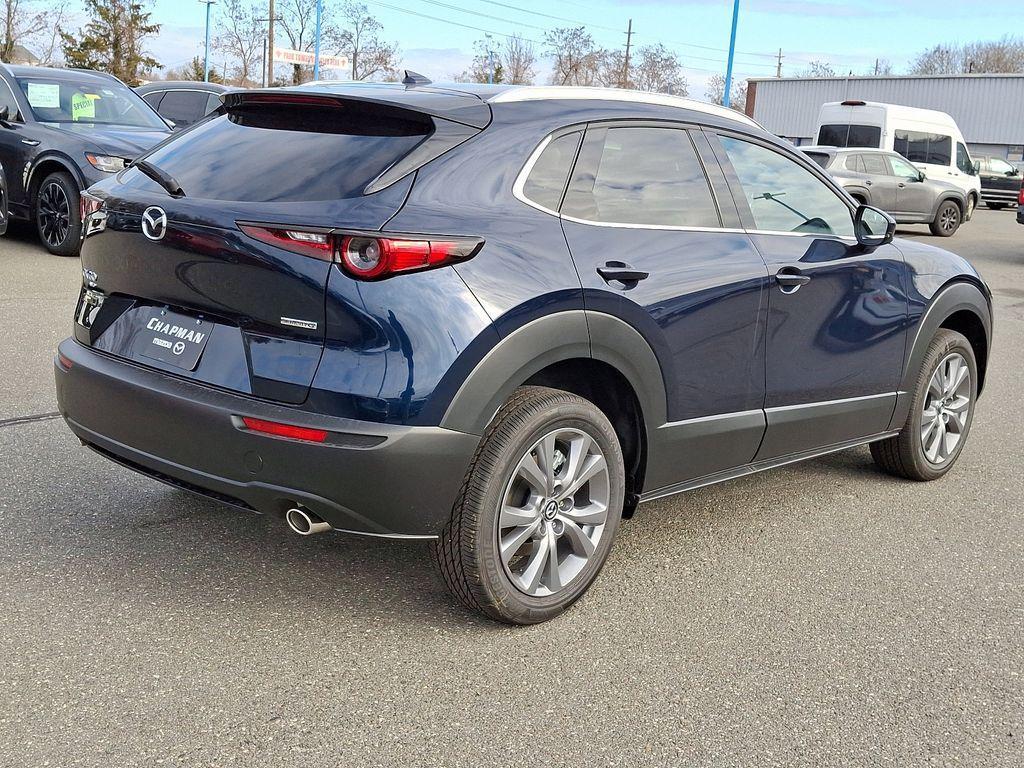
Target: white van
column 929, row 139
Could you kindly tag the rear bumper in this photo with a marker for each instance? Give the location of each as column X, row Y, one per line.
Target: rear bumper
column 370, row 478
column 1000, row 195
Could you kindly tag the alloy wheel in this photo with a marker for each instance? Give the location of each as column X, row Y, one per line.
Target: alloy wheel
column 949, row 218
column 947, row 409
column 553, row 512
column 54, row 213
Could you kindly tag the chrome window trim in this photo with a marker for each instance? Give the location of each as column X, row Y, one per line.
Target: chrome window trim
column 520, row 182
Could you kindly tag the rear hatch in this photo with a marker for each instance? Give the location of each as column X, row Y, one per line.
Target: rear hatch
column 198, row 284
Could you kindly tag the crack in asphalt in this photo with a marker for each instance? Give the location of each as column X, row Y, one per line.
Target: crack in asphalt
column 29, row 419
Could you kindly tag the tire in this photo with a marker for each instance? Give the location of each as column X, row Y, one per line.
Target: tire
column 534, row 422
column 947, row 219
column 58, row 214
column 972, row 205
column 908, row 454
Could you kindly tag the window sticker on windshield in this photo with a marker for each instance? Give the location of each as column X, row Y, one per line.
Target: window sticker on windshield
column 83, row 107
column 44, row 95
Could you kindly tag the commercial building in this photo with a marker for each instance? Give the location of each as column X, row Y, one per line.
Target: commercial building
column 988, row 108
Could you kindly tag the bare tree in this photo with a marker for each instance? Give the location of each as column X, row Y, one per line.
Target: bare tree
column 509, row 62
column 577, row 61
column 1005, row 55
column 34, row 26
column 518, row 59
column 240, row 37
column 818, row 69
column 369, row 55
column 298, row 20
column 655, row 68
column 715, row 92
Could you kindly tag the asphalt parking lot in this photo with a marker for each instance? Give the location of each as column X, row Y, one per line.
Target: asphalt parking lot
column 822, row 614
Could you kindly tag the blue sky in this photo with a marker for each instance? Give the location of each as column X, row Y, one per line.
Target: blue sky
column 848, row 34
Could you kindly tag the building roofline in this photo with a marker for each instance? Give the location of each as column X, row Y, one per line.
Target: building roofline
column 845, row 78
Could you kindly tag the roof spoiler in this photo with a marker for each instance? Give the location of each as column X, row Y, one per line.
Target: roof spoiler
column 411, row 102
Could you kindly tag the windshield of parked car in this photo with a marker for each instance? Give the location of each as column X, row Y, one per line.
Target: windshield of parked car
column 65, row 98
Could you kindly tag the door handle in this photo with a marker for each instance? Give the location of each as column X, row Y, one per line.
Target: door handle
column 901, row 185
column 790, row 279
column 867, row 183
column 624, row 273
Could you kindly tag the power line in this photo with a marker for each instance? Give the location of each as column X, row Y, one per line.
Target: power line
column 591, row 25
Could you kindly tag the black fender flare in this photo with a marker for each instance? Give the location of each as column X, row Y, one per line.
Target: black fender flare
column 54, row 157
column 951, row 298
column 552, row 339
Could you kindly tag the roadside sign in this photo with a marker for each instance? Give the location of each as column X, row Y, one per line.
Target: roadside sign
column 290, row 56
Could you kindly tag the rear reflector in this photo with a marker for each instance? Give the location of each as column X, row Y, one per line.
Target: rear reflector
column 289, row 431
column 64, row 362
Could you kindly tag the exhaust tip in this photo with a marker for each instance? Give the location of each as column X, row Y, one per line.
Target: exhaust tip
column 304, row 522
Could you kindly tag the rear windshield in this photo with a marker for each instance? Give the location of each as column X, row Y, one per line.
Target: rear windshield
column 821, row 158
column 850, row 136
column 63, row 98
column 288, row 153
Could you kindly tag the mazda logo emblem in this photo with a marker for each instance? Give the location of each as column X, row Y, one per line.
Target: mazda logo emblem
column 154, row 223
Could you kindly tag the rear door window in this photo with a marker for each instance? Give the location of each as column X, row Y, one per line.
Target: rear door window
column 642, row 176
column 784, row 196
column 875, row 165
column 289, row 152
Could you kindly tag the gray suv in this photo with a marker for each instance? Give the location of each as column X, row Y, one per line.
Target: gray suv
column 889, row 181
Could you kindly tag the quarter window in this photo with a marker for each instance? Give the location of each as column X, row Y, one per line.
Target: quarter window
column 547, row 178
column 645, row 176
column 783, row 196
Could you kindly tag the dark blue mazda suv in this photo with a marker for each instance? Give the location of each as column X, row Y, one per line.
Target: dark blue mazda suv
column 500, row 318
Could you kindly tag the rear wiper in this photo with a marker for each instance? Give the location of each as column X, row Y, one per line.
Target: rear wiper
column 161, row 177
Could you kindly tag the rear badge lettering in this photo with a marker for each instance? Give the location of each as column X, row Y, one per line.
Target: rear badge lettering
column 174, row 331
column 295, row 323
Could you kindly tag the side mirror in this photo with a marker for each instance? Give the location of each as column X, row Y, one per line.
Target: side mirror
column 921, row 176
column 5, row 116
column 873, row 227
column 977, row 167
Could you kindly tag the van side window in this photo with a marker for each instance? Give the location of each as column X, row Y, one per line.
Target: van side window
column 547, row 178
column 919, row 147
column 647, row 176
column 784, row 196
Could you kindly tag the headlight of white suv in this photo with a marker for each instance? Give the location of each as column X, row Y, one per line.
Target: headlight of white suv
column 107, row 163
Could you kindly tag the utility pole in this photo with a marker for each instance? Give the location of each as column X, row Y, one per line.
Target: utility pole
column 316, row 51
column 270, row 45
column 876, row 67
column 778, row 65
column 732, row 52
column 625, row 66
column 206, row 56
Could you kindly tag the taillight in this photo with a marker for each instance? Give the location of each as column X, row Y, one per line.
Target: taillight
column 372, row 258
column 318, row 244
column 368, row 256
column 290, row 431
column 1020, row 197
